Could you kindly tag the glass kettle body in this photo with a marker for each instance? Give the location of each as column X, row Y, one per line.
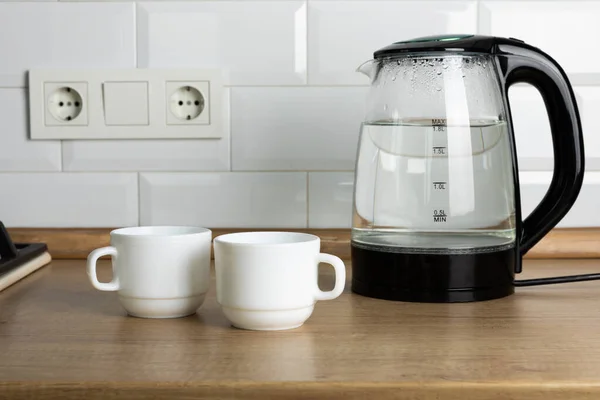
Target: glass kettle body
column 436, row 211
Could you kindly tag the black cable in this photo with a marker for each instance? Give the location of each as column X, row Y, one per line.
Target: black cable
column 557, row 279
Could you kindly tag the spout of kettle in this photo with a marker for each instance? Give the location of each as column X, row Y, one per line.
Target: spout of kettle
column 367, row 68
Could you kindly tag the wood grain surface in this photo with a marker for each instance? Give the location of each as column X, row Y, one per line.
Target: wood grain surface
column 62, row 339
column 77, row 243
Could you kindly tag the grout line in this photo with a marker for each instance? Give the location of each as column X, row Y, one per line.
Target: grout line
column 307, row 43
column 230, row 153
column 230, row 124
column 577, row 79
column 62, row 156
column 219, row 171
column 316, row 85
column 477, row 17
column 591, row 171
column 307, row 199
column 135, row 34
column 139, row 199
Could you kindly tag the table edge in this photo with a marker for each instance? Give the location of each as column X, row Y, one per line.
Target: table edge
column 532, row 390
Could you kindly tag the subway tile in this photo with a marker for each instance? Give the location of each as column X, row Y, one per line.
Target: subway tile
column 532, row 128
column 64, row 35
column 224, row 200
column 17, row 152
column 312, row 128
column 151, row 155
column 567, row 31
column 344, row 34
column 66, row 199
column 254, row 42
column 583, row 213
column 330, row 199
column 588, row 100
column 147, row 155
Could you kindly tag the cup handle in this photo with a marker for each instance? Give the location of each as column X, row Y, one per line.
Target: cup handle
column 91, row 269
column 340, row 277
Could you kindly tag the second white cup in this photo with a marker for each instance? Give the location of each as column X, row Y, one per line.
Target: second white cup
column 269, row 280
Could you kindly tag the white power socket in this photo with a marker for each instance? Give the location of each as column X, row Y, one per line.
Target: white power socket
column 189, row 102
column 125, row 103
column 65, row 103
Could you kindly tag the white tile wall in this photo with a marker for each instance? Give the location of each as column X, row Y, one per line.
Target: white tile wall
column 312, row 128
column 17, row 153
column 55, row 35
column 563, row 29
column 255, row 42
column 330, row 199
column 585, row 211
column 224, row 199
column 531, row 128
column 296, row 105
column 147, row 155
column 588, row 99
column 69, row 199
column 151, row 155
column 344, row 34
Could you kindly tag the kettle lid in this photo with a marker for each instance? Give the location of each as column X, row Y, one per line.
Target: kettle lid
column 450, row 42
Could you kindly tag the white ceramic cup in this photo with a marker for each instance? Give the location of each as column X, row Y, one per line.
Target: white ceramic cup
column 269, row 280
column 158, row 271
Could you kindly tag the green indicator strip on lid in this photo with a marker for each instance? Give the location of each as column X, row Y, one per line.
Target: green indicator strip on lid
column 438, row 38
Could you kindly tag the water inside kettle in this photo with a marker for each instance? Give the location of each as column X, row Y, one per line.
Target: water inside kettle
column 426, row 185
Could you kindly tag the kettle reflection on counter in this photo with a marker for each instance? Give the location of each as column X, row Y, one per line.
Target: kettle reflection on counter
column 436, row 207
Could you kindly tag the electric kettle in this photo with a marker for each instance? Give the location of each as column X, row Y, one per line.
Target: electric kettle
column 436, row 206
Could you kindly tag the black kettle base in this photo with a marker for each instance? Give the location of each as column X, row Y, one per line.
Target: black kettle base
column 432, row 278
column 440, row 296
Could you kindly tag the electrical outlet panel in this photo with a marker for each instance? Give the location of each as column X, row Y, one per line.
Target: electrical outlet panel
column 125, row 103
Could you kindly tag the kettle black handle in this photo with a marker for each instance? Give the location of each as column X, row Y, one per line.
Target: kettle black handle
column 522, row 63
column 519, row 62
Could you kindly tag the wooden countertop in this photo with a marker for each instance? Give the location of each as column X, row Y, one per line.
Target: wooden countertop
column 60, row 338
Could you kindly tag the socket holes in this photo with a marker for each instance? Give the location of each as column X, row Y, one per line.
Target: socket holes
column 187, row 103
column 61, row 101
